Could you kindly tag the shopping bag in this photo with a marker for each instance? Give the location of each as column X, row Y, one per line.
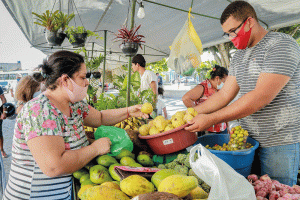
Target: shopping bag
column 118, row 137
column 186, row 50
column 225, row 182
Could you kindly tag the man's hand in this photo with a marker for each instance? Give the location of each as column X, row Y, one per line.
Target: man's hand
column 4, row 113
column 200, row 122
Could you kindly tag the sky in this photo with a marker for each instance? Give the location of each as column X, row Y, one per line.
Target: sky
column 15, row 47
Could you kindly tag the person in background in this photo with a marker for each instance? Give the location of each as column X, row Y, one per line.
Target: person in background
column 204, row 90
column 159, row 80
column 148, row 78
column 14, row 87
column 160, row 105
column 27, row 89
column 178, row 81
column 265, row 75
column 2, row 117
column 49, row 142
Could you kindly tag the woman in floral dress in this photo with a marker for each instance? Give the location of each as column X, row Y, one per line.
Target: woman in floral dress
column 49, row 142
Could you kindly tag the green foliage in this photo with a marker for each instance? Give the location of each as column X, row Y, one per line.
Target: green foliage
column 158, row 67
column 204, row 69
column 71, row 31
column 53, row 21
column 293, row 31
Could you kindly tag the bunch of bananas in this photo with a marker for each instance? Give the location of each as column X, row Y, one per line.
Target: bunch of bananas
column 131, row 123
column 89, row 131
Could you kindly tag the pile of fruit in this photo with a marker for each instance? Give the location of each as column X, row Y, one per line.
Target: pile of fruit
column 182, row 165
column 131, row 123
column 160, row 124
column 100, row 181
column 238, row 138
column 268, row 189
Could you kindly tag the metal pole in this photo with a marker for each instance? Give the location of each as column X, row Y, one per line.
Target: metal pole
column 104, row 61
column 129, row 60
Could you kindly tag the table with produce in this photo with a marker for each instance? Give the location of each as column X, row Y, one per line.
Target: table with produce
column 157, row 163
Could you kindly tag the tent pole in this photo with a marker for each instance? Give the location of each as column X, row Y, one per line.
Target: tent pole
column 104, row 61
column 130, row 58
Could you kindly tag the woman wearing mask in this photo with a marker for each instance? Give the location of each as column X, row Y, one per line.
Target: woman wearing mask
column 204, row 90
column 49, row 142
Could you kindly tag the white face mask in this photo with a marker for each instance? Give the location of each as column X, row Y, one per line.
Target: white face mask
column 219, row 87
column 78, row 93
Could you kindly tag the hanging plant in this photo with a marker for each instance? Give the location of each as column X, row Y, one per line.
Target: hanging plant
column 54, row 24
column 78, row 35
column 130, row 40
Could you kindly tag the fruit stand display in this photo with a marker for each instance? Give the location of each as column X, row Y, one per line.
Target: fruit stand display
column 137, row 175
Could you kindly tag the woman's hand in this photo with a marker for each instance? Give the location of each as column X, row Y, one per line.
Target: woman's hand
column 200, row 122
column 135, row 111
column 102, row 145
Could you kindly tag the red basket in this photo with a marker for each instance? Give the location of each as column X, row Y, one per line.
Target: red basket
column 170, row 141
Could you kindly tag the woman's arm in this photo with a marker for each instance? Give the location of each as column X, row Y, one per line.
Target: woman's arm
column 191, row 96
column 111, row 117
column 50, row 154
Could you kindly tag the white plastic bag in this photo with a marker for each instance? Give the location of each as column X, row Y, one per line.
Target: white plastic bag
column 186, row 50
column 225, row 182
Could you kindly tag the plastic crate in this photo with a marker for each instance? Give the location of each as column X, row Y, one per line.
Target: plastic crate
column 241, row 161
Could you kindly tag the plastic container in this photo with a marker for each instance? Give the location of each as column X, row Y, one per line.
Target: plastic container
column 170, row 141
column 240, row 160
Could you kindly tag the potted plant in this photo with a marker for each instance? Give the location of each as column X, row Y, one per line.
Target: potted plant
column 55, row 24
column 130, row 40
column 77, row 35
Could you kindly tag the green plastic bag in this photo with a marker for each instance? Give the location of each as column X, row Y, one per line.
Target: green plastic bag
column 118, row 137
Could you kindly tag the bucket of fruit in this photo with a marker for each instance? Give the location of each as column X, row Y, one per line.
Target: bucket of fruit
column 239, row 157
column 165, row 136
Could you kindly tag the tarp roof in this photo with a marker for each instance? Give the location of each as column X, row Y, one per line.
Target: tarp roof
column 160, row 25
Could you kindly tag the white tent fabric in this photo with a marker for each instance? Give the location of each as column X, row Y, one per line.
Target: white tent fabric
column 160, row 25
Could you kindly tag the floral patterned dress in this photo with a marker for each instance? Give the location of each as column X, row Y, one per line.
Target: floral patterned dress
column 39, row 117
column 208, row 91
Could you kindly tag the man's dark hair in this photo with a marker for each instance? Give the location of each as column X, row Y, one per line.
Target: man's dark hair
column 240, row 10
column 157, row 73
column 139, row 59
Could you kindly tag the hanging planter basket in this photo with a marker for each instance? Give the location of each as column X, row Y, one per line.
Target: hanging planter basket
column 54, row 38
column 79, row 40
column 130, row 48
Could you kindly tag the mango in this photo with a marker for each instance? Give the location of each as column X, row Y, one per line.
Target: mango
column 99, row 175
column 125, row 153
column 112, row 172
column 179, row 185
column 159, row 176
column 135, row 185
column 106, row 160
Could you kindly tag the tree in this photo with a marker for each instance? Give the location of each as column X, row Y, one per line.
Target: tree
column 204, row 68
column 159, row 66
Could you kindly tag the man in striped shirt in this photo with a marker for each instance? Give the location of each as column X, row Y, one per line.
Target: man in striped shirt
column 265, row 74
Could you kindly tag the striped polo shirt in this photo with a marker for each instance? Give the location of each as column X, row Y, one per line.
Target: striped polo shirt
column 37, row 118
column 278, row 123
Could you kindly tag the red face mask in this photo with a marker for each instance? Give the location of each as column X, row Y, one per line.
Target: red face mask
column 242, row 38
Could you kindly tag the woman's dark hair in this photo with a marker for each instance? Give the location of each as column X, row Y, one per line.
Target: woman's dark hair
column 26, row 88
column 138, row 58
column 218, row 71
column 240, row 10
column 59, row 63
column 38, row 77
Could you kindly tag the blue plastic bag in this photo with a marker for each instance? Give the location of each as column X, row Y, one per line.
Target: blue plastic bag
column 118, row 137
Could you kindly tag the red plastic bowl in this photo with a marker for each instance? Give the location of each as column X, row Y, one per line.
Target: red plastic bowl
column 170, row 141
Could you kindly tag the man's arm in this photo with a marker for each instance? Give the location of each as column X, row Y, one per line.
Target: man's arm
column 221, row 98
column 267, row 87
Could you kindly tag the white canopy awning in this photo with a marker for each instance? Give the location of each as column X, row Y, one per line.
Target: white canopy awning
column 160, row 25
